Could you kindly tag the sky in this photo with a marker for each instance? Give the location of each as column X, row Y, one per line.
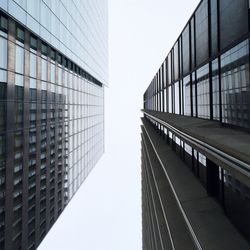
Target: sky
column 105, row 213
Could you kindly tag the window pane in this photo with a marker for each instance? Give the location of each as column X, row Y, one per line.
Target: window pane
column 3, row 23
column 176, row 61
column 201, row 32
column 19, row 59
column 185, row 50
column 3, row 75
column 52, row 73
column 203, row 101
column 32, row 65
column 187, row 95
column 229, row 19
column 235, row 85
column 44, row 70
column 3, row 53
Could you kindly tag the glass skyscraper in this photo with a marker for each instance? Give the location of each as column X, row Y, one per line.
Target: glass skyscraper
column 195, row 135
column 53, row 70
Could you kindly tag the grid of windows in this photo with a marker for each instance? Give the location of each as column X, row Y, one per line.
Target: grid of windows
column 3, row 105
column 218, row 88
column 214, row 84
column 235, row 85
column 51, row 133
column 76, row 28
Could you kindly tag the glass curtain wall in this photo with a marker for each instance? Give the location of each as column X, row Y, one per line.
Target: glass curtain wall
column 218, row 87
column 53, row 123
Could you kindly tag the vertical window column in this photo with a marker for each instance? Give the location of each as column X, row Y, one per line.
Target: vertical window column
column 3, row 106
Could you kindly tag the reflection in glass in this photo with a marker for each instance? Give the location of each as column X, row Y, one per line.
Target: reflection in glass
column 187, row 95
column 235, row 85
column 203, row 101
column 215, row 90
column 3, row 53
column 19, row 60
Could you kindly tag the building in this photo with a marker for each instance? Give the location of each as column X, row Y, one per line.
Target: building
column 53, row 70
column 195, row 135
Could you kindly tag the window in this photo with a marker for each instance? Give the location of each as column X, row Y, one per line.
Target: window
column 229, row 21
column 44, row 49
column 19, row 114
column 170, row 99
column 215, row 90
column 19, row 60
column 2, row 114
column 3, row 23
column 65, row 62
column 3, row 76
column 185, row 50
column 2, row 146
column 70, row 65
column 192, row 44
column 20, row 34
column 3, row 53
column 33, row 42
column 59, row 76
column 187, row 95
column 3, row 93
column 177, row 98
column 52, row 54
column 203, row 97
column 19, row 105
column 18, row 140
column 176, row 61
column 52, row 73
column 32, row 65
column 201, row 32
column 214, row 29
column 19, row 93
column 59, row 58
column 44, row 70
column 194, row 94
column 32, row 91
column 19, row 80
column 169, row 69
column 235, row 86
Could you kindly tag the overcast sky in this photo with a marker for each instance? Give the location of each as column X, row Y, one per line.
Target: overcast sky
column 105, row 214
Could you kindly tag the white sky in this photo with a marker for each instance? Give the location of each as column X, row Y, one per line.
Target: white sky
column 105, row 213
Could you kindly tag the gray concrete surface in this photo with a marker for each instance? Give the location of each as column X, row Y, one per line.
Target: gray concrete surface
column 208, row 221
column 233, row 142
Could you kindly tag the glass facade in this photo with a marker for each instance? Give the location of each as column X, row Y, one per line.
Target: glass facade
column 207, row 77
column 78, row 29
column 219, row 85
column 201, row 32
column 235, row 85
column 53, row 69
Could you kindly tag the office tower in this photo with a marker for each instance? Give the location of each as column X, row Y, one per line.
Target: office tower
column 195, row 135
column 53, row 70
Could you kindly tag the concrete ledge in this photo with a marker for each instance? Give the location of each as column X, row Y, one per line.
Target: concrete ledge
column 208, row 221
column 232, row 142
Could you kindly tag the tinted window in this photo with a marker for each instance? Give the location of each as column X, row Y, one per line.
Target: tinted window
column 201, row 32
column 176, row 62
column 233, row 16
column 185, row 50
column 214, row 29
